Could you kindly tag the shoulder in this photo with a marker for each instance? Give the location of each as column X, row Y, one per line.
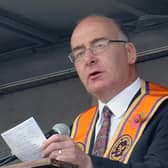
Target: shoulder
column 160, row 119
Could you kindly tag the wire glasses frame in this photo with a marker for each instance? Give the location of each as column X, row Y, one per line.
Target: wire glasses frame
column 96, row 48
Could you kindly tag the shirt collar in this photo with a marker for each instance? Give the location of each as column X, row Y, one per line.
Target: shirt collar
column 119, row 104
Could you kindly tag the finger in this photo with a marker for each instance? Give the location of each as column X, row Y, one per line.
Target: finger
column 65, row 156
column 54, row 138
column 80, row 158
column 55, row 154
column 49, row 149
column 62, row 155
column 54, row 146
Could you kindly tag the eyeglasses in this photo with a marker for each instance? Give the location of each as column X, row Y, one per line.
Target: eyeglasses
column 96, row 48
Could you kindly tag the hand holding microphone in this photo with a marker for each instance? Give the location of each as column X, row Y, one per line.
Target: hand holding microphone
column 62, row 148
column 63, row 131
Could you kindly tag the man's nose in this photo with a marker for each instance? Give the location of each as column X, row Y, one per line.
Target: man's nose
column 90, row 57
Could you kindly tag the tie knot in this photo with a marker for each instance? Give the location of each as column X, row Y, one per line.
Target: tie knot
column 106, row 112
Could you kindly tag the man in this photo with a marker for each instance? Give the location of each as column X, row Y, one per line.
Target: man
column 138, row 110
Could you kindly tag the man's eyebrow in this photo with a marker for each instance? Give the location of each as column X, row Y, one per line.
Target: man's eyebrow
column 78, row 47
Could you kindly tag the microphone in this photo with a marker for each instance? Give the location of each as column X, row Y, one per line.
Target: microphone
column 59, row 128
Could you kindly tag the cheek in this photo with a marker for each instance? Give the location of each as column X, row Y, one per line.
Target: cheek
column 111, row 63
column 81, row 73
column 116, row 65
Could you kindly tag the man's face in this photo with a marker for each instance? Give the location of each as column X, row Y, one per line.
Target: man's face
column 108, row 71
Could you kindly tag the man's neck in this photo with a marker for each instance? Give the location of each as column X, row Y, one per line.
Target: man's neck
column 106, row 96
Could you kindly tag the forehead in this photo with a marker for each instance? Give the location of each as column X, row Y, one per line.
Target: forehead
column 93, row 28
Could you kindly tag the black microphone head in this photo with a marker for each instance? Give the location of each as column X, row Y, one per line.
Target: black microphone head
column 61, row 128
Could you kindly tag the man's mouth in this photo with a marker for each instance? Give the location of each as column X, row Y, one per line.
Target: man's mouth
column 94, row 75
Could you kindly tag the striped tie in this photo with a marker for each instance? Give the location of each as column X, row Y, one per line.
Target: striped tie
column 102, row 136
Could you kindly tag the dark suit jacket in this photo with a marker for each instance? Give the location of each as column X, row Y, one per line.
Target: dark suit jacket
column 152, row 149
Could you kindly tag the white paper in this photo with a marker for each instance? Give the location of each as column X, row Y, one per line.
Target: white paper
column 25, row 140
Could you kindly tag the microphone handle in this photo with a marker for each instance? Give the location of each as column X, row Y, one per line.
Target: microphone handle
column 50, row 133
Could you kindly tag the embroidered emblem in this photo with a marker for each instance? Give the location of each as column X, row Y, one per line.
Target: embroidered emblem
column 120, row 148
column 81, row 146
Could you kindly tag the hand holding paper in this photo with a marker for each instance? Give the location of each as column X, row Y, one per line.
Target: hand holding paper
column 25, row 140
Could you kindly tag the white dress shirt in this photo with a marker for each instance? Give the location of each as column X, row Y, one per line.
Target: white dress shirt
column 118, row 106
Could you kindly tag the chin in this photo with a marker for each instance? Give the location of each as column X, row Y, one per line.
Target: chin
column 95, row 90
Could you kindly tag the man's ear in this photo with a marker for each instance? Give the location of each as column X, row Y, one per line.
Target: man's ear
column 131, row 52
